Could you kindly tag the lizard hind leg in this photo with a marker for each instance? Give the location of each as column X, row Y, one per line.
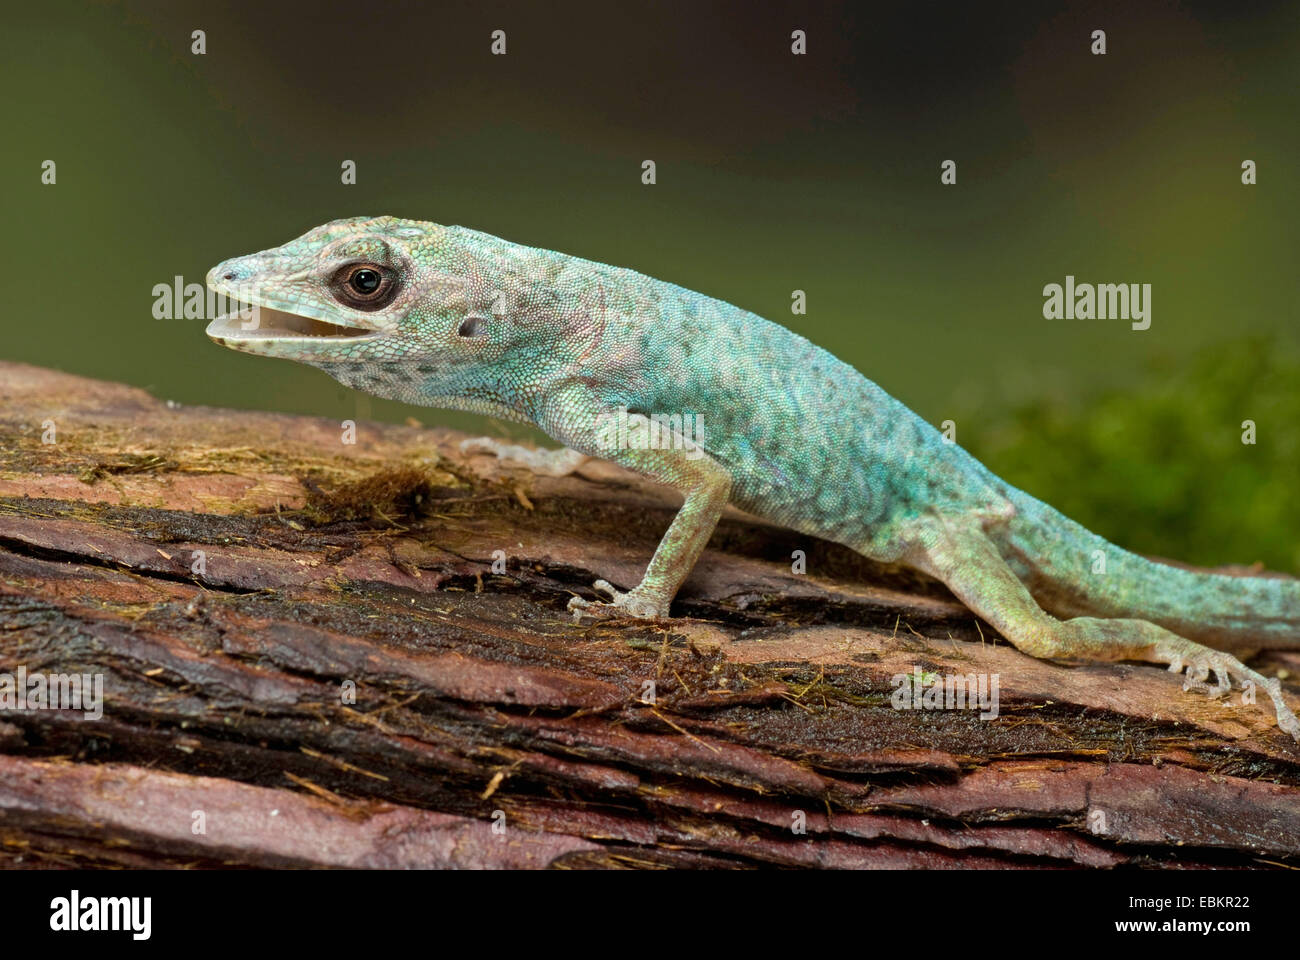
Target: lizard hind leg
column 970, row 566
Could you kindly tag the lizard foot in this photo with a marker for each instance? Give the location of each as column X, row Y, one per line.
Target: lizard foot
column 549, row 463
column 1197, row 670
column 1199, row 664
column 631, row 603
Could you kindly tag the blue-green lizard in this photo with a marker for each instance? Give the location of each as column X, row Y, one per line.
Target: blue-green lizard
column 454, row 318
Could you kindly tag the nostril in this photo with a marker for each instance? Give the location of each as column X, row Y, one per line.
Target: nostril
column 229, row 276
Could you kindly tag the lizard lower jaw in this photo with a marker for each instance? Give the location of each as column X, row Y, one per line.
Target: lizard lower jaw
column 265, row 329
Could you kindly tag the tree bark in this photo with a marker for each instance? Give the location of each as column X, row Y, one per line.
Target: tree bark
column 316, row 653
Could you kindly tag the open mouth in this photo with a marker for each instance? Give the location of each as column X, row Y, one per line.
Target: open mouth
column 265, row 323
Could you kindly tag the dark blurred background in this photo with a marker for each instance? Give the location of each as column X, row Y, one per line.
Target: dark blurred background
column 775, row 172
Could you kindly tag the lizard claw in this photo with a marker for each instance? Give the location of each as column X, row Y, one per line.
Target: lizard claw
column 630, row 603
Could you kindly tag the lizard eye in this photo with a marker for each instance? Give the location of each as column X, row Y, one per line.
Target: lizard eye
column 365, row 286
column 364, row 282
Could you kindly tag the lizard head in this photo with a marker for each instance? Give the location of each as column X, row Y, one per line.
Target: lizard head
column 398, row 308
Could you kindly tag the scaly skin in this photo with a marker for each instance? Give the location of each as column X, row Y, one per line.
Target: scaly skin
column 453, row 318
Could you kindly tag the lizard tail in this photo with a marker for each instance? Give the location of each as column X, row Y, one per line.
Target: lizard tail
column 1073, row 572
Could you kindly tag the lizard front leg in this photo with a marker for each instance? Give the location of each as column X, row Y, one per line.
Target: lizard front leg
column 669, row 458
column 706, row 485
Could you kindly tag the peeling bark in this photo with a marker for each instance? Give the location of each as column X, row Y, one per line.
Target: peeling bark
column 343, row 680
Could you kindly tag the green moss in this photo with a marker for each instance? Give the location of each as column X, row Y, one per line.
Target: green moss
column 1165, row 472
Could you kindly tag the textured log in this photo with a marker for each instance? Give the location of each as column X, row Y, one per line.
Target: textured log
column 308, row 660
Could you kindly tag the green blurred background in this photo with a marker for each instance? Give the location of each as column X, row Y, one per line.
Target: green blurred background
column 775, row 173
